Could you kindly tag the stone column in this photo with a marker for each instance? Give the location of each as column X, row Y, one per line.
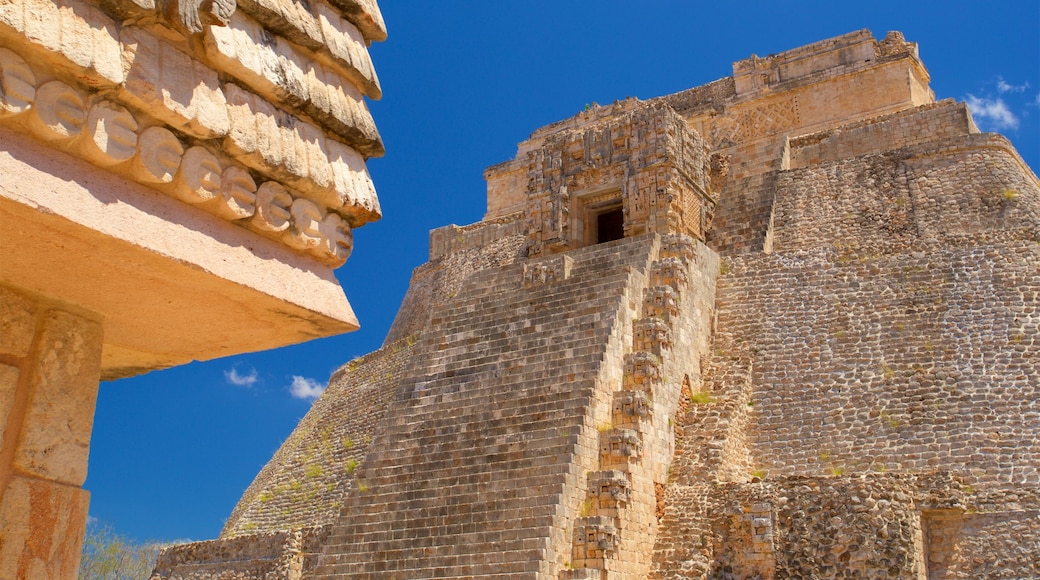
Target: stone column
column 50, row 365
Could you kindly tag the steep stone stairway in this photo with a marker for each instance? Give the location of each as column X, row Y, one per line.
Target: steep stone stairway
column 478, row 459
column 614, row 534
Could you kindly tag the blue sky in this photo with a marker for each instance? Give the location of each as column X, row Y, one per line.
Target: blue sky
column 464, row 82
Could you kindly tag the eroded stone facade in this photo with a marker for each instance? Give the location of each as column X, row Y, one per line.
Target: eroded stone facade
column 782, row 325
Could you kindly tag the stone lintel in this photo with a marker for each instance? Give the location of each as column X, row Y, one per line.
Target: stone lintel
column 172, row 283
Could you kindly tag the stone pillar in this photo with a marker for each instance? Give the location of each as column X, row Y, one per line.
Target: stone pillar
column 50, row 365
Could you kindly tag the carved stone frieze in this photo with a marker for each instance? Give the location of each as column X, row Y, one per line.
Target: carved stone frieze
column 109, row 135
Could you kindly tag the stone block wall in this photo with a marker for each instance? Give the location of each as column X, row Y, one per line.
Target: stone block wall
column 308, row 479
column 482, row 452
column 50, row 361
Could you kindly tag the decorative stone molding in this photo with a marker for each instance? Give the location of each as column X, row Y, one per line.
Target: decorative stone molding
column 651, row 335
column 642, row 370
column 610, row 488
column 554, row 269
column 661, row 301
column 107, row 134
column 191, row 16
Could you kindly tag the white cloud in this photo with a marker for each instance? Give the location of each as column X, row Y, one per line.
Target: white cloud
column 91, row 520
column 1005, row 87
column 991, row 113
column 304, row 388
column 246, row 380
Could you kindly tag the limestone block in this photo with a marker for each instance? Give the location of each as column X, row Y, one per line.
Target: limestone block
column 127, row 9
column 347, row 44
column 365, row 15
column 59, row 112
column 17, row 84
column 297, row 153
column 17, row 323
column 110, row 135
column 55, row 435
column 272, row 67
column 355, row 192
column 158, row 156
column 169, row 84
column 70, row 35
column 318, row 27
column 41, row 529
column 8, row 387
column 289, row 18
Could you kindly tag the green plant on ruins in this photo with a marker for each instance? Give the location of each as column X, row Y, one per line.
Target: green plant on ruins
column 701, row 398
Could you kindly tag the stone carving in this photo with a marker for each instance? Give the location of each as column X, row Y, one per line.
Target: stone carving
column 198, row 180
column 237, row 194
column 651, row 335
column 58, row 111
column 110, row 136
column 642, row 370
column 678, row 246
column 158, row 155
column 17, row 84
column 669, row 272
column 610, row 488
column 596, row 538
column 661, row 301
column 192, row 15
column 620, row 446
column 107, row 134
column 768, row 118
column 630, row 406
column 555, row 269
column 272, row 208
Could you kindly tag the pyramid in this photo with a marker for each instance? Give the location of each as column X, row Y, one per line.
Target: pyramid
column 782, row 325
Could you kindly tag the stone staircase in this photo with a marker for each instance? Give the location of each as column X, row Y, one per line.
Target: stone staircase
column 614, row 535
column 473, row 473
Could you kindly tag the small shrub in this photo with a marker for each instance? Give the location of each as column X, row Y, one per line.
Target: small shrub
column 701, row 398
column 313, row 470
column 759, row 473
column 352, row 464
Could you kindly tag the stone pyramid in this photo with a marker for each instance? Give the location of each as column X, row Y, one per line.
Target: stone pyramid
column 782, row 325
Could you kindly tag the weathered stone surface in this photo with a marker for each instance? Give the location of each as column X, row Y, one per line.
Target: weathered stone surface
column 171, row 85
column 73, row 36
column 55, row 437
column 9, row 376
column 17, row 323
column 41, row 528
